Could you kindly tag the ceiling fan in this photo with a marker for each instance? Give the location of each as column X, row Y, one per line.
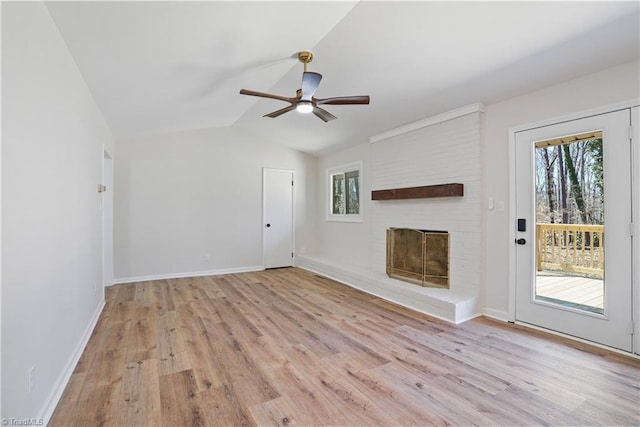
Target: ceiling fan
column 304, row 101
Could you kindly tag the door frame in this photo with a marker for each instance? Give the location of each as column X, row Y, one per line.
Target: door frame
column 107, row 218
column 264, row 209
column 512, row 212
column 635, row 208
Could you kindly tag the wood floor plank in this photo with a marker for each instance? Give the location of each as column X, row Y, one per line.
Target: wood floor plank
column 312, row 406
column 293, row 379
column 511, row 370
column 370, row 334
column 543, row 407
column 269, row 352
column 537, row 362
column 122, row 310
column 160, row 297
column 94, row 345
column 180, row 404
column 98, row 407
column 278, row 412
column 484, row 401
column 354, row 405
column 603, row 414
column 201, row 353
column 66, row 410
column 223, row 406
column 240, row 370
column 436, row 400
column 141, row 343
column 126, row 292
column 211, row 287
column 399, row 401
column 172, row 351
column 139, row 402
column 289, row 347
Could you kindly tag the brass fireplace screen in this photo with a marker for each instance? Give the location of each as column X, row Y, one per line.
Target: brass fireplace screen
column 418, row 256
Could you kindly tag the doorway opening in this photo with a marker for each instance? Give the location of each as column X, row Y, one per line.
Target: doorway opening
column 278, row 219
column 573, row 246
column 107, row 219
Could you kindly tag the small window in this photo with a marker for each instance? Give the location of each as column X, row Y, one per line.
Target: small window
column 344, row 193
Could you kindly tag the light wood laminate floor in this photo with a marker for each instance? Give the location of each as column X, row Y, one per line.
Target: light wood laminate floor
column 286, row 347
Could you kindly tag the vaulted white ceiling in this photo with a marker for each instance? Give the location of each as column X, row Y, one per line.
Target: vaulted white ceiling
column 166, row 66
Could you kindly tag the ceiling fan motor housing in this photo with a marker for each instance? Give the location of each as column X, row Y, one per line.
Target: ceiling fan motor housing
column 305, row 56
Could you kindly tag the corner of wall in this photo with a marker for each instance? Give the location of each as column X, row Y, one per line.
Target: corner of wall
column 55, row 394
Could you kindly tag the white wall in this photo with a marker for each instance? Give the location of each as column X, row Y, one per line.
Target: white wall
column 420, row 157
column 52, row 145
column 610, row 86
column 179, row 196
column 346, row 243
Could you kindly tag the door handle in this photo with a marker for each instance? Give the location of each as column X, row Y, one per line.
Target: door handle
column 268, row 225
column 521, row 241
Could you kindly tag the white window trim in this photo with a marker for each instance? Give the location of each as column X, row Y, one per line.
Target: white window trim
column 329, row 187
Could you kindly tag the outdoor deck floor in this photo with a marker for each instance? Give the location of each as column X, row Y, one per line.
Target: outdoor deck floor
column 574, row 289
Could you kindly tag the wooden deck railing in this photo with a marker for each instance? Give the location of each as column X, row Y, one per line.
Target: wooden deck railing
column 570, row 247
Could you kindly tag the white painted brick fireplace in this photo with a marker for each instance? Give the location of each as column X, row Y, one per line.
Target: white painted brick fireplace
column 438, row 150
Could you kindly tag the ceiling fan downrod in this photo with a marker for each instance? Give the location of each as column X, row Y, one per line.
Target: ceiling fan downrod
column 305, row 57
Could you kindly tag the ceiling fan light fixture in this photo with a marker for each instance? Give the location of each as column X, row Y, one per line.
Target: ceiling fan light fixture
column 305, row 102
column 304, row 107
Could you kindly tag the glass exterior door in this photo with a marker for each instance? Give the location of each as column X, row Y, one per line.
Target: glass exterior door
column 573, row 240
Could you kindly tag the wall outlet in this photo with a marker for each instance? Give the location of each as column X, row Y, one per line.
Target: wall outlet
column 31, row 379
column 206, row 257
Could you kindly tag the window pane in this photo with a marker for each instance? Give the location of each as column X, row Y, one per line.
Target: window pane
column 570, row 230
column 338, row 194
column 352, row 198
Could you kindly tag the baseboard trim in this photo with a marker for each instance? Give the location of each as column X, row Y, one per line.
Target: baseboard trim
column 496, row 314
column 52, row 400
column 188, row 274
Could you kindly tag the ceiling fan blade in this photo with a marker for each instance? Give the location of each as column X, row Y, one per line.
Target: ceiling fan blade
column 323, row 114
column 267, row 95
column 343, row 100
column 310, row 82
column 280, row 111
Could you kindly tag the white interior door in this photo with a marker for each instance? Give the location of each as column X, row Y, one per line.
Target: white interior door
column 278, row 218
column 574, row 266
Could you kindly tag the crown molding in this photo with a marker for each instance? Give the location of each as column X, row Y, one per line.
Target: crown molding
column 449, row 115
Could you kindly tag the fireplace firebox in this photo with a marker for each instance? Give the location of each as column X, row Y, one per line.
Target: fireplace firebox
column 418, row 256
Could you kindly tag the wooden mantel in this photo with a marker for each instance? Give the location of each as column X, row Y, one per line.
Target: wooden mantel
column 423, row 192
